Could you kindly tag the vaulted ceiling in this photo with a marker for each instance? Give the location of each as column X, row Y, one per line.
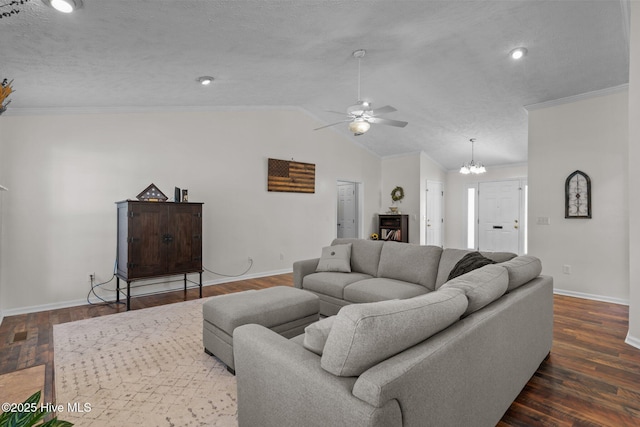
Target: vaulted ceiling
column 443, row 64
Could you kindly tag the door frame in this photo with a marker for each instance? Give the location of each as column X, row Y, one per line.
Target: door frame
column 426, row 210
column 523, row 216
column 359, row 203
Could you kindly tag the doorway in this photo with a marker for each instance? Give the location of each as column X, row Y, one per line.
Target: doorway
column 500, row 216
column 434, row 219
column 348, row 209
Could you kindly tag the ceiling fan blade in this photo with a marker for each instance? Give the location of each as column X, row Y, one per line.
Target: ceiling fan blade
column 383, row 110
column 335, row 112
column 381, row 121
column 333, row 124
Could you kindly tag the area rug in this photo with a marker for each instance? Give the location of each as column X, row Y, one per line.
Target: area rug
column 141, row 368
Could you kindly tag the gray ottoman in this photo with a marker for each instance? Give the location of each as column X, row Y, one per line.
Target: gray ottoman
column 283, row 309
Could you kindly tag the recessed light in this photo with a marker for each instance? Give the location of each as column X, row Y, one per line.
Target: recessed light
column 64, row 6
column 205, row 80
column 518, row 53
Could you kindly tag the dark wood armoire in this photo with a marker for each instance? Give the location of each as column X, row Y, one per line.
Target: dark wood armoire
column 158, row 239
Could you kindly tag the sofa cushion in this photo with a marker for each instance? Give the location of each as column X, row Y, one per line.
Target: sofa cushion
column 365, row 254
column 469, row 262
column 365, row 334
column 335, row 258
column 380, row 289
column 331, row 283
column 522, row 269
column 410, row 263
column 481, row 286
column 450, row 258
column 315, row 335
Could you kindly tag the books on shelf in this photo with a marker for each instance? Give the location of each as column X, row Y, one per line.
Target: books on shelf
column 388, row 234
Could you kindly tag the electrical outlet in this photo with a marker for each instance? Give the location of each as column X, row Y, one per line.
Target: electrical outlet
column 92, row 277
column 281, row 257
column 566, row 269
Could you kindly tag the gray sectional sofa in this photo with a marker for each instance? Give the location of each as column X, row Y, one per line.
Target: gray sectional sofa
column 380, row 271
column 407, row 347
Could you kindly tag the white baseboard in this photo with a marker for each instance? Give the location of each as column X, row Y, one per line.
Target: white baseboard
column 601, row 298
column 75, row 303
column 43, row 307
column 632, row 341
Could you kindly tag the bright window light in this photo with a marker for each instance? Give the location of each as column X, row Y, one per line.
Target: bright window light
column 471, row 217
column 526, row 219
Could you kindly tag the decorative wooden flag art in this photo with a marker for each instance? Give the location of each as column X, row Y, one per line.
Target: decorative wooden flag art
column 291, row 177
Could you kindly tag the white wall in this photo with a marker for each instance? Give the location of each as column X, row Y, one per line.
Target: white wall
column 633, row 337
column 455, row 196
column 403, row 171
column 411, row 172
column 590, row 135
column 66, row 171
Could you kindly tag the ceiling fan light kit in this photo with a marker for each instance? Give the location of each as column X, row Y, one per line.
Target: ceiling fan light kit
column 359, row 126
column 361, row 115
column 472, row 167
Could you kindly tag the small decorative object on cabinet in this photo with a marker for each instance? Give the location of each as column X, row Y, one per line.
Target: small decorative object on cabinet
column 158, row 239
column 577, row 192
column 152, row 194
column 393, row 227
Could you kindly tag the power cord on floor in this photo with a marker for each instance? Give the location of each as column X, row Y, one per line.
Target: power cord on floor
column 99, row 285
column 105, row 302
column 231, row 275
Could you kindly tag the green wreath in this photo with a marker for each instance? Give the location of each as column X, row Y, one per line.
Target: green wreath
column 397, row 194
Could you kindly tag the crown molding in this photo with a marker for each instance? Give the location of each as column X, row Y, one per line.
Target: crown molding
column 579, row 97
column 146, row 109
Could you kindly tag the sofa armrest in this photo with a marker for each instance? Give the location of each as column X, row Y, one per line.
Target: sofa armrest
column 302, row 268
column 496, row 350
column 280, row 383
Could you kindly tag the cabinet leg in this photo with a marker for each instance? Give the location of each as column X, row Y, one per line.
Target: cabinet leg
column 117, row 289
column 185, row 287
column 128, row 295
column 200, row 286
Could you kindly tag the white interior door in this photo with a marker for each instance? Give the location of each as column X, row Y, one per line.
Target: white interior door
column 435, row 219
column 347, row 209
column 499, row 216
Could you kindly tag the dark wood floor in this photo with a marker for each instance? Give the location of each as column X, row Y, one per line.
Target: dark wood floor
column 592, row 378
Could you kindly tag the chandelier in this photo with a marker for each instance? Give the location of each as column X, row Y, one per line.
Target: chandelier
column 472, row 166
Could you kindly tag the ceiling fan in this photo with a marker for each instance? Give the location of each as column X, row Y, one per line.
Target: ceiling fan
column 361, row 115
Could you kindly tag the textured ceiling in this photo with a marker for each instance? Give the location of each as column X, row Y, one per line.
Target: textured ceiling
column 442, row 64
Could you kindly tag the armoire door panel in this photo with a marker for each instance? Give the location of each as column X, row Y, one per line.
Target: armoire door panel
column 158, row 238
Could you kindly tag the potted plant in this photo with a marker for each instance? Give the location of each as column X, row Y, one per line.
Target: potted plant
column 30, row 413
